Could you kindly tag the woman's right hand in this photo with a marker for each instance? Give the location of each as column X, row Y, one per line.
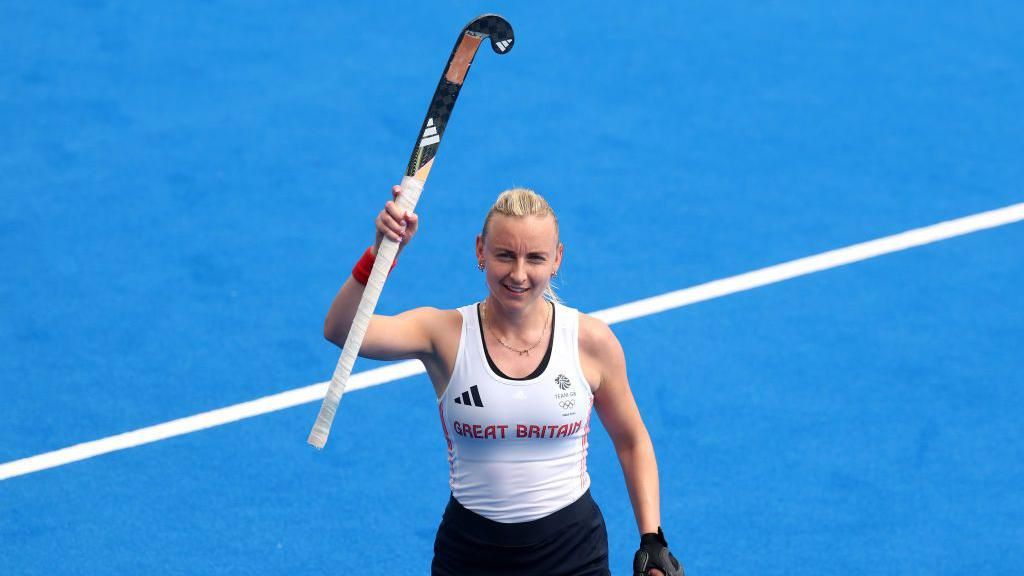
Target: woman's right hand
column 395, row 223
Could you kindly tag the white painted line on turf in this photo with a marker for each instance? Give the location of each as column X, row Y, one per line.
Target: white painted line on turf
column 811, row 264
column 629, row 311
column 264, row 405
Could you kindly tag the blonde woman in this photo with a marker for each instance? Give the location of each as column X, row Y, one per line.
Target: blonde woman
column 516, row 377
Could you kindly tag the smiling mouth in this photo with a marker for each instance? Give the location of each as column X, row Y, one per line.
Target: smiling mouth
column 515, row 290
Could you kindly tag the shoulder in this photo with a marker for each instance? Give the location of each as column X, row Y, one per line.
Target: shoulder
column 416, row 333
column 437, row 330
column 434, row 320
column 596, row 337
column 600, row 347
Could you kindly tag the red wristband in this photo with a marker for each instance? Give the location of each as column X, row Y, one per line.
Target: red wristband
column 362, row 269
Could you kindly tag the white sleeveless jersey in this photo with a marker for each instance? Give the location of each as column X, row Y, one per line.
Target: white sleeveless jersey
column 517, row 448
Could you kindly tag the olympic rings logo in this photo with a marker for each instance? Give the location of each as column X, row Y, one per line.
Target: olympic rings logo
column 566, row 404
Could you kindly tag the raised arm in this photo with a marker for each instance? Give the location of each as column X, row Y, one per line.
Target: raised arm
column 406, row 335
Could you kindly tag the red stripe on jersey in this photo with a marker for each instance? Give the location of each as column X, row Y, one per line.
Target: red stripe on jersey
column 451, row 452
column 583, row 452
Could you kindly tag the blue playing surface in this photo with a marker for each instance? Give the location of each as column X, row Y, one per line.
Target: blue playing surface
column 186, row 184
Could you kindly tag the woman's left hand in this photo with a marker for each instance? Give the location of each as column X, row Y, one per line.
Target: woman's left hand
column 654, row 558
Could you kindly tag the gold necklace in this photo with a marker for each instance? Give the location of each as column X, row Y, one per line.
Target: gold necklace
column 525, row 352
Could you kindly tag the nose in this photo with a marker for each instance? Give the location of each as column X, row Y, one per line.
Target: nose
column 518, row 273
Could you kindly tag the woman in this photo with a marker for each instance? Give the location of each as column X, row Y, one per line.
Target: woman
column 516, row 377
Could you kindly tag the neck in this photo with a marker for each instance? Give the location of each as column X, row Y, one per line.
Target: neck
column 505, row 321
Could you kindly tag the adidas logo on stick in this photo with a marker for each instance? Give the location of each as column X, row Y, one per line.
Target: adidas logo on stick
column 470, row 397
column 429, row 134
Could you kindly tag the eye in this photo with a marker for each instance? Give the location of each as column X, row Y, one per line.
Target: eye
column 537, row 257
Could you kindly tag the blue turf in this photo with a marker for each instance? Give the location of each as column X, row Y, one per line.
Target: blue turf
column 186, row 185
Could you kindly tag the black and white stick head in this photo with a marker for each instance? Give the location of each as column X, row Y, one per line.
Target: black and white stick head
column 496, row 28
column 472, row 35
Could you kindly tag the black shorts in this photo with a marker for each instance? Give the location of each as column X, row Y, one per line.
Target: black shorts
column 570, row 542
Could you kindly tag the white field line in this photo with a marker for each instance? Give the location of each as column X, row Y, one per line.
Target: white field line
column 628, row 311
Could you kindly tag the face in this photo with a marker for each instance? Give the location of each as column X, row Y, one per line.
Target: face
column 519, row 256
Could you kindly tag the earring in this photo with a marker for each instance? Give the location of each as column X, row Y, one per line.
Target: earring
column 554, row 274
column 480, row 265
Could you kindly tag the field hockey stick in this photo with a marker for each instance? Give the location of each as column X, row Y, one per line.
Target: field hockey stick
column 422, row 159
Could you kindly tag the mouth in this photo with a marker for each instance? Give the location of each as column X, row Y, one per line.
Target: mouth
column 515, row 289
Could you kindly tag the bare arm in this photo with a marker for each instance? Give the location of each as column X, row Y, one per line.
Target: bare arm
column 621, row 418
column 406, row 335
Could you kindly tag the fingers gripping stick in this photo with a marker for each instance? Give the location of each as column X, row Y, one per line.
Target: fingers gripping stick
column 422, row 159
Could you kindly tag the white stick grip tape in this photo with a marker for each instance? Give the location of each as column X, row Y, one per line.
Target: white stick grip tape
column 386, row 252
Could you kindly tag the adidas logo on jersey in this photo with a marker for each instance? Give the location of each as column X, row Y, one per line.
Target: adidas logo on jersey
column 470, row 397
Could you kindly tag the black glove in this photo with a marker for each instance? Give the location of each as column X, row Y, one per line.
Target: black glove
column 653, row 553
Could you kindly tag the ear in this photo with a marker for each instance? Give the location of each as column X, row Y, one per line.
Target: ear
column 558, row 256
column 479, row 248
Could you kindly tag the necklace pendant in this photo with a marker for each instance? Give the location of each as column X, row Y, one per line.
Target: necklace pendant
column 524, row 353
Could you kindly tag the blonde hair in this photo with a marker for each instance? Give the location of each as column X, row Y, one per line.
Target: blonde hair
column 519, row 203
